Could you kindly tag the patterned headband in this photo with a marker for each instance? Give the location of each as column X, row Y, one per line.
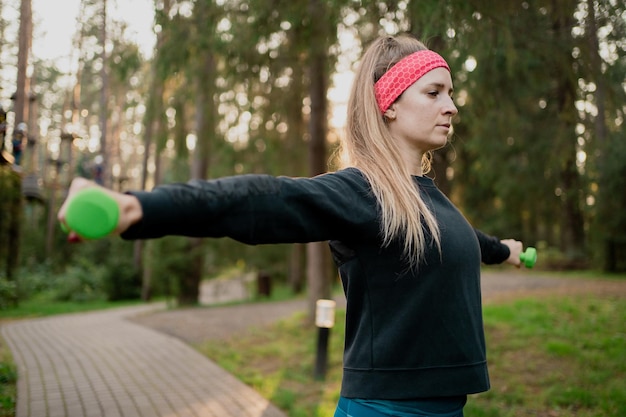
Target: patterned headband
column 403, row 74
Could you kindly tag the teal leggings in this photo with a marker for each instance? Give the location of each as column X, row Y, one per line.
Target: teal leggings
column 350, row 408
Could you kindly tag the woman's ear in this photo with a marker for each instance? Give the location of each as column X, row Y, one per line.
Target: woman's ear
column 390, row 113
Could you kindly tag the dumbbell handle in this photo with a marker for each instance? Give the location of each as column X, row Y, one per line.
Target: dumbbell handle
column 92, row 213
column 528, row 258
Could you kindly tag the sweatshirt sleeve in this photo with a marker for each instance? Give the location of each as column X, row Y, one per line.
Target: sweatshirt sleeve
column 257, row 209
column 492, row 250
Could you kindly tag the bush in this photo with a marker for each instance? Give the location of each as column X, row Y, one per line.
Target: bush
column 8, row 293
column 85, row 279
column 8, row 381
column 35, row 279
column 121, row 280
column 80, row 282
column 8, row 373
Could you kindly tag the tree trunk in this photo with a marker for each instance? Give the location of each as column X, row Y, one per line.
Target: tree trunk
column 317, row 273
column 13, row 230
column 296, row 270
column 294, row 145
column 572, row 223
column 205, row 128
column 2, row 39
column 21, row 108
column 152, row 125
column 147, row 250
column 189, row 280
column 25, row 42
column 104, row 98
column 609, row 261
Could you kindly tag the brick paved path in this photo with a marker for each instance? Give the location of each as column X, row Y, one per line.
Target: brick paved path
column 102, row 364
column 99, row 364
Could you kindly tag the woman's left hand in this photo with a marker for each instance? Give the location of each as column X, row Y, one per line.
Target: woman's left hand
column 516, row 248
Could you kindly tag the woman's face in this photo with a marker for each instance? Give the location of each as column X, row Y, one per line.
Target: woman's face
column 421, row 119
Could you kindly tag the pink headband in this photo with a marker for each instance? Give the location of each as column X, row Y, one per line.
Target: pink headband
column 403, row 74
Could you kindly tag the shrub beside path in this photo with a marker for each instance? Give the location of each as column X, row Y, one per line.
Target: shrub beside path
column 134, row 361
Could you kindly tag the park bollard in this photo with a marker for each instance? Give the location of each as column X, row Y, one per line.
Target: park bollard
column 324, row 320
column 528, row 258
column 92, row 214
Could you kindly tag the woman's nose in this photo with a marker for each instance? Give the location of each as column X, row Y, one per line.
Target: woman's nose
column 450, row 108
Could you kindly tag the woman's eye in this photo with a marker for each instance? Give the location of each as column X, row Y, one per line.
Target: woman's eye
column 433, row 93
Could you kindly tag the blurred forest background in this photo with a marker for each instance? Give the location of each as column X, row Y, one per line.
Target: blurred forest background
column 260, row 86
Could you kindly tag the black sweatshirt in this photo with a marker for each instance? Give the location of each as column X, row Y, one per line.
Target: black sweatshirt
column 410, row 332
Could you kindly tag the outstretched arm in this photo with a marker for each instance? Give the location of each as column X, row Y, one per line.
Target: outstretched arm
column 253, row 209
column 495, row 251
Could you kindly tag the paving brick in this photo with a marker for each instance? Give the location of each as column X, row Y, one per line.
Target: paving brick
column 100, row 364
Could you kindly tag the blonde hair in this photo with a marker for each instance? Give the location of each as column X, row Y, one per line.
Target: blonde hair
column 370, row 147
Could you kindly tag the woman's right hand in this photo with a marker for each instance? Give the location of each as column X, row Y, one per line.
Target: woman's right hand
column 130, row 211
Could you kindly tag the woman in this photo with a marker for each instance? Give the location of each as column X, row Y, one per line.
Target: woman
column 408, row 260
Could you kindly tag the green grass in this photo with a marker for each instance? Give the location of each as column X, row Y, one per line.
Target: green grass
column 552, row 356
column 587, row 274
column 279, row 362
column 556, row 356
column 8, row 380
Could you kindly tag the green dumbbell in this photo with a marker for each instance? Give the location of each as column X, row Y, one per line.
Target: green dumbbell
column 92, row 213
column 528, row 257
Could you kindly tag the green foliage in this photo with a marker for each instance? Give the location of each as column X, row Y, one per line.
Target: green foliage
column 8, row 379
column 576, row 359
column 526, row 113
column 8, row 293
column 121, row 280
column 127, row 60
column 613, row 198
column 168, row 259
column 35, row 279
column 80, row 282
column 10, row 220
column 8, row 373
column 91, row 271
column 609, row 231
column 33, row 241
column 113, row 263
column 238, row 74
column 278, row 362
